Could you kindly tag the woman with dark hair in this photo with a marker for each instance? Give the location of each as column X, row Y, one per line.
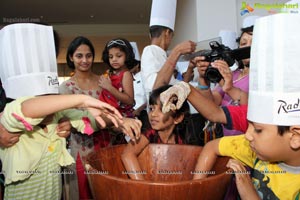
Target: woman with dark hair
column 243, row 41
column 228, row 94
column 80, row 57
column 74, row 45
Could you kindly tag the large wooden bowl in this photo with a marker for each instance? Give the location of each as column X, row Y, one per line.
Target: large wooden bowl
column 168, row 171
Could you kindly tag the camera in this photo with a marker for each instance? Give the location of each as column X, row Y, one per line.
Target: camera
column 220, row 52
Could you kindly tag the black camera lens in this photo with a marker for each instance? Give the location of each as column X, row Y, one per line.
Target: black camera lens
column 213, row 75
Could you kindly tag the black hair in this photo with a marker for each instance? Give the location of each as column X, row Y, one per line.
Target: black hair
column 56, row 42
column 249, row 31
column 130, row 61
column 3, row 99
column 156, row 31
column 180, row 129
column 74, row 45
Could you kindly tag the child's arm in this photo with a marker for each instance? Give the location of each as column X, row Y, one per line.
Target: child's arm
column 206, row 107
column 127, row 95
column 235, row 117
column 206, row 159
column 42, row 106
column 129, row 158
column 243, row 180
column 201, row 103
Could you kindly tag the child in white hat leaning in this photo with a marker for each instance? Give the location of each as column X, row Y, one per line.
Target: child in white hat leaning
column 271, row 145
column 28, row 68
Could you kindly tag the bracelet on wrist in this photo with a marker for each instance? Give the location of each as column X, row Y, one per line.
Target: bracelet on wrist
column 202, row 87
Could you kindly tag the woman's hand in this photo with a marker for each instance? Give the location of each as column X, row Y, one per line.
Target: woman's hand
column 227, row 82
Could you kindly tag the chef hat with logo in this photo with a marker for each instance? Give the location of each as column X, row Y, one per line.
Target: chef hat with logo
column 28, row 63
column 250, row 21
column 135, row 50
column 163, row 13
column 274, row 86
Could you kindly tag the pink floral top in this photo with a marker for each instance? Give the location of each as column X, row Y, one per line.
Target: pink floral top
column 70, row 87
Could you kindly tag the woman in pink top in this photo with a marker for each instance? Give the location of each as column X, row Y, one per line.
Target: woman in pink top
column 240, row 79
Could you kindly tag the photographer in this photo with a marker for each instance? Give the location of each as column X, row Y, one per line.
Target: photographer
column 232, row 93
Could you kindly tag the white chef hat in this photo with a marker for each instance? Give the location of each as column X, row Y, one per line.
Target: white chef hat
column 250, row 21
column 135, row 50
column 28, row 63
column 274, row 90
column 163, row 13
column 229, row 38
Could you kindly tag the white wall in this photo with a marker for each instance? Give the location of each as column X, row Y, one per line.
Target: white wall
column 102, row 29
column 199, row 20
column 186, row 22
column 215, row 15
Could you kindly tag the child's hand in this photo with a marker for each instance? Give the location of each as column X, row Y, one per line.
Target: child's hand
column 131, row 128
column 8, row 139
column 174, row 97
column 243, row 180
column 64, row 127
column 98, row 108
column 105, row 82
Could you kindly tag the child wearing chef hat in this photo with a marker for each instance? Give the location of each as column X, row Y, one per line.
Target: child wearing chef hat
column 28, row 68
column 271, row 144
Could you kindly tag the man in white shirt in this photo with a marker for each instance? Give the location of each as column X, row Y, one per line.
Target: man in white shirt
column 156, row 67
